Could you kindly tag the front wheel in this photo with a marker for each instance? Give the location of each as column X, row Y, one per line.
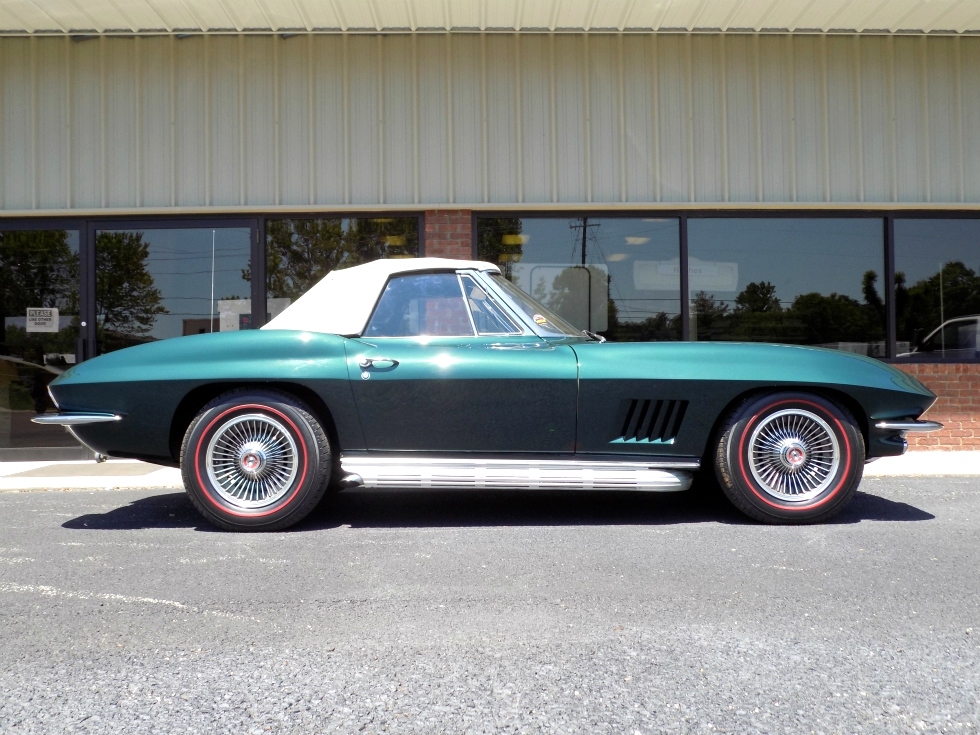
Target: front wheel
column 255, row 460
column 789, row 458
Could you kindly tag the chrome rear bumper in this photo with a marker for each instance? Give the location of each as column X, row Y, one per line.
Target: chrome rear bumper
column 904, row 426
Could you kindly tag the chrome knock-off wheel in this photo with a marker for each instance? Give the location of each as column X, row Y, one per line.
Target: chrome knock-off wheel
column 252, row 461
column 789, row 457
column 793, row 455
column 255, row 460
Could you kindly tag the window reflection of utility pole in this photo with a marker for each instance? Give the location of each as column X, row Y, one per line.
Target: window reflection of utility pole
column 585, row 232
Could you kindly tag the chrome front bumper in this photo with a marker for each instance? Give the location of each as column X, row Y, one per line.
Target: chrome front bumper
column 74, row 419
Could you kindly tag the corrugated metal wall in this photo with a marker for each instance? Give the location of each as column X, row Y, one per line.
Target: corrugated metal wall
column 469, row 119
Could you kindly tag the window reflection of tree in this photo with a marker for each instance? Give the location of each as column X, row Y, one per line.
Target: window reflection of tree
column 952, row 291
column 811, row 318
column 299, row 252
column 127, row 301
column 37, row 269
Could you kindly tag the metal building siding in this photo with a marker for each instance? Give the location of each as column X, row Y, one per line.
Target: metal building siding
column 843, row 144
column 433, row 139
column 293, row 94
column 364, row 108
column 708, row 124
column 536, row 124
column 942, row 143
column 191, row 139
column 154, row 115
column 224, row 108
column 16, row 125
column 466, row 145
column 640, row 143
column 399, row 120
column 605, row 116
column 52, row 111
column 572, row 94
column 86, row 120
column 504, row 180
column 742, row 145
column 876, row 131
column 969, row 114
column 330, row 154
column 261, row 109
column 497, row 119
column 777, row 119
column 675, row 119
column 121, row 148
column 911, row 121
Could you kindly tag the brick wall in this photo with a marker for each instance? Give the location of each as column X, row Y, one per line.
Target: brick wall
column 449, row 233
column 958, row 407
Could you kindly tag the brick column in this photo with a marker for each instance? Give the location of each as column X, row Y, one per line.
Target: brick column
column 449, row 233
column 957, row 407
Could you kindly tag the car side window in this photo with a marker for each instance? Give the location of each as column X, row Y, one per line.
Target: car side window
column 421, row 304
column 488, row 316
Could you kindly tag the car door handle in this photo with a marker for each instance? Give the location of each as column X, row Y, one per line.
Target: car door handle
column 377, row 362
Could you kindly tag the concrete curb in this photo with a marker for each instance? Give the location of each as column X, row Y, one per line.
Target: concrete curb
column 65, row 476
column 121, row 473
column 936, row 463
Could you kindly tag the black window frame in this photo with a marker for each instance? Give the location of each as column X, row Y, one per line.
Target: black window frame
column 87, row 225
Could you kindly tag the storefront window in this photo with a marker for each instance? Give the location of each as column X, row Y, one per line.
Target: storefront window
column 619, row 277
column 937, row 288
column 299, row 252
column 39, row 312
column 795, row 281
column 156, row 284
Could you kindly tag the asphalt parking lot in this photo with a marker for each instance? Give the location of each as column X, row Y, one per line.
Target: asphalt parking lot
column 492, row 612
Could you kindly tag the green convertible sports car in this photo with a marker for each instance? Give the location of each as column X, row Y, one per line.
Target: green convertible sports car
column 431, row 373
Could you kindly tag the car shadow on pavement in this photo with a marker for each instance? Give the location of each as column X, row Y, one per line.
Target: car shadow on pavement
column 482, row 508
column 167, row 510
column 463, row 508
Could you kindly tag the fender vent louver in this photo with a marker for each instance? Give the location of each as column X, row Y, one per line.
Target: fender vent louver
column 652, row 421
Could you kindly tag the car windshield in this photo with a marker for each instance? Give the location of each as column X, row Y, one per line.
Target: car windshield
column 545, row 319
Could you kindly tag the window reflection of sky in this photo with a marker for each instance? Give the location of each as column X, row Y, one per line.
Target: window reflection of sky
column 797, row 256
column 923, row 246
column 180, row 263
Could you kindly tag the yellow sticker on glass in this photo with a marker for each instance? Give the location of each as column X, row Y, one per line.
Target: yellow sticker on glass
column 538, row 319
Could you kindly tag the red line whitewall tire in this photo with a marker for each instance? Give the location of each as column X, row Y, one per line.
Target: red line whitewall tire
column 255, row 460
column 789, row 458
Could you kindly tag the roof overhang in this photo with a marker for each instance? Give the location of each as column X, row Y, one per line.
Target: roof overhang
column 150, row 17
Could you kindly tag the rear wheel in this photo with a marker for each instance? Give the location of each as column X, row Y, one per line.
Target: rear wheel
column 255, row 461
column 790, row 458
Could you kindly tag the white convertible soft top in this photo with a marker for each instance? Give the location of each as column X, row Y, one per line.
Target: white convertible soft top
column 342, row 301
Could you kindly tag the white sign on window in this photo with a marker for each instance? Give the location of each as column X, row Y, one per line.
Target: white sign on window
column 704, row 275
column 42, row 320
